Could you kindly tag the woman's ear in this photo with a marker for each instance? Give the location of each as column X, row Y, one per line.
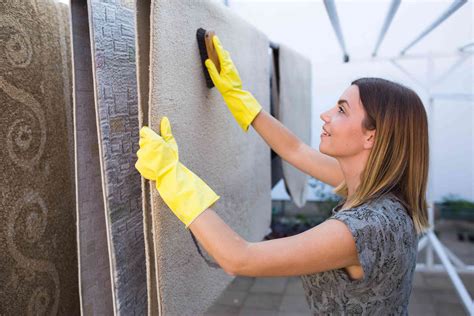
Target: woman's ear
column 369, row 139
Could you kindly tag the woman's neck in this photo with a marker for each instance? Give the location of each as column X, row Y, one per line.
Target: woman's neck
column 352, row 168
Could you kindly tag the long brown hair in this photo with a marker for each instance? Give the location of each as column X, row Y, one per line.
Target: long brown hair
column 399, row 159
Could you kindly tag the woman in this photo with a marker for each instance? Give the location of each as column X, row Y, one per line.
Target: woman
column 374, row 150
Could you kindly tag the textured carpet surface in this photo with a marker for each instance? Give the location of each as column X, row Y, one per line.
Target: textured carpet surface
column 211, row 144
column 143, row 75
column 94, row 275
column 38, row 261
column 112, row 27
column 294, row 111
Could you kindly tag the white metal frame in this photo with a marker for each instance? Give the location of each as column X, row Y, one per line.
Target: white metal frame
column 392, row 10
column 445, row 15
column 450, row 263
column 333, row 17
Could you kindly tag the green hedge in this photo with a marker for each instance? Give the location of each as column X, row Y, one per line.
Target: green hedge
column 454, row 207
column 453, row 201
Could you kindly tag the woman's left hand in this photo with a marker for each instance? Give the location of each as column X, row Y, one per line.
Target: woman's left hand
column 158, row 160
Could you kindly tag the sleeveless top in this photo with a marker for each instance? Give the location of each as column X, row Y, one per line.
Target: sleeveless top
column 387, row 246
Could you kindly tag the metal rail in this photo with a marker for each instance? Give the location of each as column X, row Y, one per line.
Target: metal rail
column 332, row 13
column 388, row 20
column 450, row 10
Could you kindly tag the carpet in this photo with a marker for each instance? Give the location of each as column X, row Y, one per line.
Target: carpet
column 235, row 164
column 93, row 253
column 38, row 274
column 112, row 27
column 294, row 111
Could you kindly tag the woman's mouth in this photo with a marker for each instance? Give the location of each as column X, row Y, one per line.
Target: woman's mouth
column 324, row 133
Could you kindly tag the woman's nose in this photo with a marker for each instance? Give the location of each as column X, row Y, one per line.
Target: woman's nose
column 324, row 116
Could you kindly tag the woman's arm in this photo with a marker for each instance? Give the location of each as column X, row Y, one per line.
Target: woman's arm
column 247, row 110
column 291, row 149
column 327, row 246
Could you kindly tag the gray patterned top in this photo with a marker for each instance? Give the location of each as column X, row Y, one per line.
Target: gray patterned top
column 387, row 247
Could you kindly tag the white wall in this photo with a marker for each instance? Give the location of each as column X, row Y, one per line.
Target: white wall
column 305, row 26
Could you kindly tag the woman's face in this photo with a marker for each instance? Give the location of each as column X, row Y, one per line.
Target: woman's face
column 343, row 122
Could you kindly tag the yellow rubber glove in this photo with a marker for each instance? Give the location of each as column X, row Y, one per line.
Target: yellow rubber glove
column 242, row 104
column 158, row 160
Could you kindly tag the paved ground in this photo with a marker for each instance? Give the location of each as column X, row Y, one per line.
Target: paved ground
column 432, row 294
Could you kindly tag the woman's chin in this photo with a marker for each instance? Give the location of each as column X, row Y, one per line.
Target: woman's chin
column 323, row 150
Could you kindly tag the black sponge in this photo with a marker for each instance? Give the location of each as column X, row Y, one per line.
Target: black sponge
column 204, row 40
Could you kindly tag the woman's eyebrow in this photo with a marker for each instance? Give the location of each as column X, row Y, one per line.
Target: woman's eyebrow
column 344, row 101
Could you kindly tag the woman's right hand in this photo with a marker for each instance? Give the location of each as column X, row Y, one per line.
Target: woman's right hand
column 243, row 106
column 229, row 77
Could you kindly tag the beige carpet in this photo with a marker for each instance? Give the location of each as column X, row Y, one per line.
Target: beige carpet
column 143, row 75
column 293, row 109
column 235, row 164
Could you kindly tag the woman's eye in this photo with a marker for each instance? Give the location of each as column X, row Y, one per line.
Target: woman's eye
column 341, row 109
